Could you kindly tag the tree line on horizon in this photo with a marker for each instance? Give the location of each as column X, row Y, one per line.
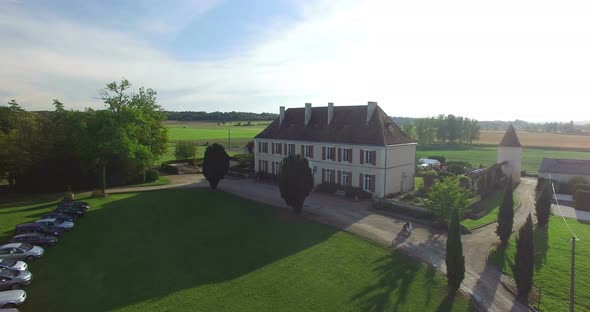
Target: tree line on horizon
column 446, row 129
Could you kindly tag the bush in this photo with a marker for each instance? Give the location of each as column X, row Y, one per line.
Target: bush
column 445, row 174
column 152, row 175
column 456, row 169
column 185, row 150
column 429, row 177
column 409, row 196
column 328, row 188
column 581, row 187
column 465, row 182
column 541, row 181
column 583, row 200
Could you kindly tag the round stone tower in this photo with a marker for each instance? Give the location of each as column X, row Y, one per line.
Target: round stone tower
column 510, row 151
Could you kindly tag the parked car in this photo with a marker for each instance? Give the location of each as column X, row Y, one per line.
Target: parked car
column 39, row 228
column 71, row 210
column 67, row 225
column 59, row 215
column 8, row 310
column 20, row 251
column 13, row 279
column 35, row 239
column 13, row 264
column 12, row 298
column 73, row 204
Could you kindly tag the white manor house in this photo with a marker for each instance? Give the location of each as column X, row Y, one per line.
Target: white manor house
column 358, row 146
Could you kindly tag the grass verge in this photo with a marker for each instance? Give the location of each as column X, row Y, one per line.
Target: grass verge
column 491, row 205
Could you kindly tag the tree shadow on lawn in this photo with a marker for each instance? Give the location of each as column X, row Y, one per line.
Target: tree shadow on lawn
column 32, row 208
column 541, row 243
column 396, row 276
column 149, row 245
column 447, row 304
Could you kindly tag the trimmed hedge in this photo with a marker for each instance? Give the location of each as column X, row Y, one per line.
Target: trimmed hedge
column 329, row 188
column 583, row 200
column 152, row 175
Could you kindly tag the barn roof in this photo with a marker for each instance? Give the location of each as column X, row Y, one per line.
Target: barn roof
column 566, row 166
column 510, row 138
column 348, row 125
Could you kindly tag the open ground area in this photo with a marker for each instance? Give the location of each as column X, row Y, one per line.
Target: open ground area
column 539, row 139
column 552, row 264
column 190, row 249
column 486, row 155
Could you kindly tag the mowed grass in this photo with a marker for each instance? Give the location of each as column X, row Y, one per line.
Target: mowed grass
column 552, row 264
column 198, row 250
column 491, row 205
column 487, row 155
column 201, row 131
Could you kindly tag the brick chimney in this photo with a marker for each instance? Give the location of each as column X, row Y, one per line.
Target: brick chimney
column 307, row 113
column 330, row 112
column 281, row 114
column 370, row 110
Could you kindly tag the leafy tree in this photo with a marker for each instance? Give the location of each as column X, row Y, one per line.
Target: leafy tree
column 447, row 196
column 250, row 147
column 506, row 215
column 543, row 205
column 215, row 164
column 524, row 259
column 185, row 150
column 295, row 181
column 454, row 258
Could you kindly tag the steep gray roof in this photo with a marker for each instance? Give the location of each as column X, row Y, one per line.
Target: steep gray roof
column 567, row 166
column 348, row 125
column 510, row 139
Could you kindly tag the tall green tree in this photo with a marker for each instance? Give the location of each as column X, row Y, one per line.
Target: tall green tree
column 215, row 164
column 524, row 259
column 506, row 215
column 185, row 150
column 454, row 258
column 447, row 196
column 295, row 181
column 543, row 204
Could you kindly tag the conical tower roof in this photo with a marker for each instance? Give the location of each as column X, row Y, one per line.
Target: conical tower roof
column 510, row 138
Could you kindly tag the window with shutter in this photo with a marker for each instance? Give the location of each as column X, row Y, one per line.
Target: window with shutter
column 374, row 158
column 323, row 153
column 323, row 175
column 339, row 155
column 362, row 157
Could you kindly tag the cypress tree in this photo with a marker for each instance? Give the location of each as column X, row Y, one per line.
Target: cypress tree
column 543, row 204
column 454, row 254
column 524, row 259
column 215, row 164
column 506, row 215
column 295, row 181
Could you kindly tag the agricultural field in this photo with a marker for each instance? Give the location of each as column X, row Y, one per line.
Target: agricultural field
column 179, row 250
column 486, row 155
column 552, row 264
column 204, row 132
column 540, row 140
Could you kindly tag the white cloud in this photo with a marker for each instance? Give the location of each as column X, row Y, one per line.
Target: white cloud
column 500, row 60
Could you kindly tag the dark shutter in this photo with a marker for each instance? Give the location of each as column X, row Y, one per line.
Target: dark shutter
column 323, row 175
column 339, row 155
column 362, row 157
column 323, row 153
column 339, row 177
column 286, row 150
column 350, row 178
column 302, row 150
column 373, row 183
column 271, row 147
column 293, row 149
column 361, row 181
column 311, row 155
column 259, row 165
column 273, row 167
column 374, row 157
column 259, row 147
column 280, row 149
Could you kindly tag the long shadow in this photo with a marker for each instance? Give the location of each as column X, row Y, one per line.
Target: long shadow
column 33, row 208
column 447, row 304
column 492, row 275
column 541, row 242
column 145, row 246
column 395, row 277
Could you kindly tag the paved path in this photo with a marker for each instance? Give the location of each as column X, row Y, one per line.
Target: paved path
column 481, row 280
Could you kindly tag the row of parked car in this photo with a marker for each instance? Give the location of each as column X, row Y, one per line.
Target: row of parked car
column 29, row 243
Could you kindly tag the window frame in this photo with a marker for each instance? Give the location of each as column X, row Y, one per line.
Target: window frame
column 307, row 151
column 333, row 149
column 331, row 176
column 277, row 168
column 346, row 157
column 369, row 157
column 367, row 182
column 344, row 178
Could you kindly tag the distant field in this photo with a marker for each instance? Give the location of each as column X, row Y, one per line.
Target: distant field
column 534, row 139
column 486, row 155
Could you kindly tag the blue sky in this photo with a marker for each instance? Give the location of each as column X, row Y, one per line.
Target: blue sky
column 502, row 60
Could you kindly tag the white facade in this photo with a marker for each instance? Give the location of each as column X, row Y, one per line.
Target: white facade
column 512, row 155
column 381, row 170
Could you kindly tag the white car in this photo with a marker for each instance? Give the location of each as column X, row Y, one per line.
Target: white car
column 12, row 298
column 13, row 264
column 68, row 225
column 20, row 251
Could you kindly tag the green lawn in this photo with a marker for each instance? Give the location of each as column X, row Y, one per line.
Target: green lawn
column 486, row 155
column 198, row 250
column 491, row 205
column 552, row 264
column 161, row 181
